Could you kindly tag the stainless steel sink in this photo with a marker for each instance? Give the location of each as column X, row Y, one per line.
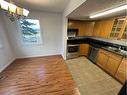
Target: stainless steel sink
column 113, row 48
column 118, row 50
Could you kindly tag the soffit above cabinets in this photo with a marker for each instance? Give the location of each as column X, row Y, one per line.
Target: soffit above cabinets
column 43, row 5
column 91, row 7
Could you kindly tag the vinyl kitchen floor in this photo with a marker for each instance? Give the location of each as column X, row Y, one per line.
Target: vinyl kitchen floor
column 90, row 79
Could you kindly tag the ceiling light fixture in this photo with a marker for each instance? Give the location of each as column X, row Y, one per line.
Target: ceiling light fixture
column 109, row 11
column 25, row 12
column 4, row 5
column 14, row 12
column 12, row 8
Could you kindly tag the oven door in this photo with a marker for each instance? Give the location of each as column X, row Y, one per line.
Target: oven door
column 72, row 48
column 72, row 51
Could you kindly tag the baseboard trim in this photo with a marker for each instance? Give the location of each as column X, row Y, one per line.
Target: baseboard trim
column 7, row 65
column 34, row 56
column 23, row 58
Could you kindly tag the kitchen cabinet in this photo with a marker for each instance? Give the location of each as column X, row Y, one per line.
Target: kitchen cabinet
column 97, row 26
column 85, row 29
column 124, row 35
column 102, row 28
column 121, row 73
column 119, row 28
column 84, row 49
column 73, row 24
column 113, row 64
column 123, row 31
column 102, row 58
column 109, row 61
column 113, row 28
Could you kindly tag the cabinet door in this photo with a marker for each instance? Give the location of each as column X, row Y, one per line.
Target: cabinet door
column 122, row 72
column 124, row 35
column 112, row 65
column 102, row 59
column 73, row 24
column 84, row 49
column 103, row 28
column 97, row 26
column 118, row 28
column 106, row 27
column 85, row 27
column 123, row 31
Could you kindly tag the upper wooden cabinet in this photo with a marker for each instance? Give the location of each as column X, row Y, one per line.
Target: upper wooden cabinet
column 119, row 28
column 102, row 28
column 97, row 27
column 85, row 27
column 124, row 35
column 73, row 24
column 114, row 28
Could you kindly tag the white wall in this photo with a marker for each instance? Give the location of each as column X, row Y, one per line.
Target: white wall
column 64, row 38
column 6, row 54
column 51, row 28
column 54, row 33
column 72, row 5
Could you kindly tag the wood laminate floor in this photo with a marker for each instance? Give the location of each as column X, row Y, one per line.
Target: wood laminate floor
column 37, row 76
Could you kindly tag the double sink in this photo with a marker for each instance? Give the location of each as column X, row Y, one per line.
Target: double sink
column 116, row 50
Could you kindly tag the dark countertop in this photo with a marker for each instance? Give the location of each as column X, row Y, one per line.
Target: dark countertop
column 116, row 52
column 83, row 39
column 101, row 42
column 117, row 42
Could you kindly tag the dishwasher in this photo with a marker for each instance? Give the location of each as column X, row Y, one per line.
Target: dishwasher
column 93, row 54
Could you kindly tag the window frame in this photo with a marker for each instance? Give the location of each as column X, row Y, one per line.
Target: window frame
column 21, row 34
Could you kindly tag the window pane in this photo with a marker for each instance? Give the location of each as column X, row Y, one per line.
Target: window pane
column 30, row 29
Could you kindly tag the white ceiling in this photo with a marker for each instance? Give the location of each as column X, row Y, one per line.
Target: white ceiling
column 43, row 5
column 91, row 7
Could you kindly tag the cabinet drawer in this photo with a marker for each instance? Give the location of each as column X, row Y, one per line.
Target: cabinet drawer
column 104, row 52
column 116, row 56
column 110, row 54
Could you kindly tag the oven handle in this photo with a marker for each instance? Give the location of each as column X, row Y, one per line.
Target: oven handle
column 73, row 45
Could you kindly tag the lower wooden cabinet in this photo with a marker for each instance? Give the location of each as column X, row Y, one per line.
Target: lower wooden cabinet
column 111, row 63
column 84, row 49
column 102, row 59
column 121, row 73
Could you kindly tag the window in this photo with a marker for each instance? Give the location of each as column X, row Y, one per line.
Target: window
column 30, row 30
